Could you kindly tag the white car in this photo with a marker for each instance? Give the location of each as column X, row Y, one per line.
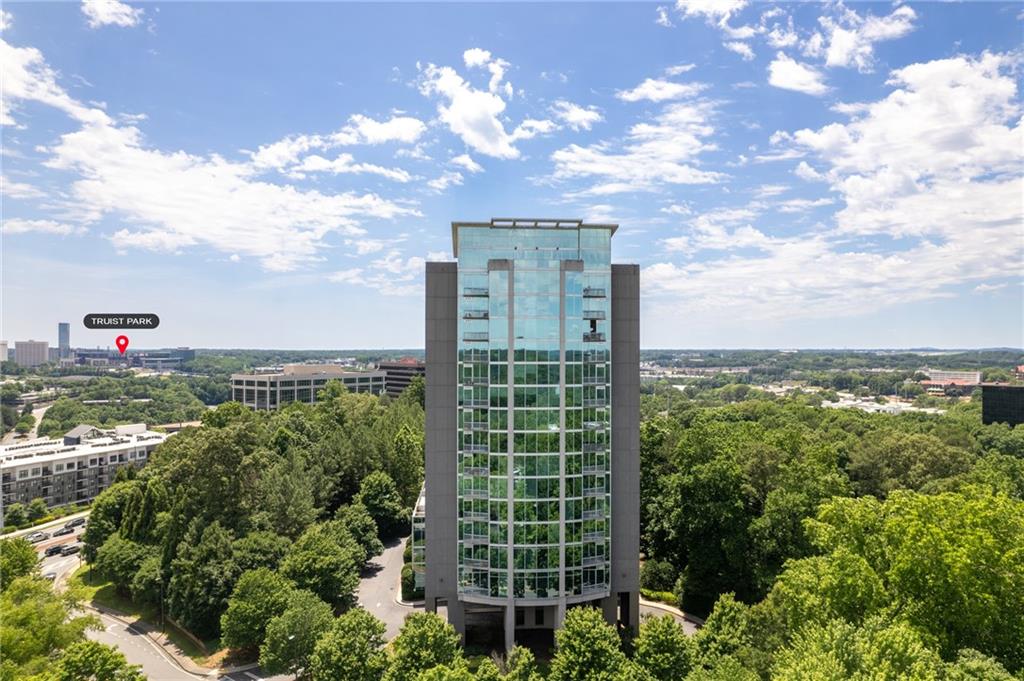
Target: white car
column 38, row 537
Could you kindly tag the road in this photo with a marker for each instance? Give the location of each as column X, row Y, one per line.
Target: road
column 688, row 626
column 378, row 587
column 138, row 648
column 12, row 438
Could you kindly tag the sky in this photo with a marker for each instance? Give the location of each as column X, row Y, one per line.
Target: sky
column 275, row 175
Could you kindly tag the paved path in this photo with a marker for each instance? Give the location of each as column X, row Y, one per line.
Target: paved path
column 379, row 586
column 689, row 626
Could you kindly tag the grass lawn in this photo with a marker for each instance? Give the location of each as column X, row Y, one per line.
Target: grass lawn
column 98, row 590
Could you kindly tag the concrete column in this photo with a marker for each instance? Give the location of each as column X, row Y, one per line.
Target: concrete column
column 510, row 626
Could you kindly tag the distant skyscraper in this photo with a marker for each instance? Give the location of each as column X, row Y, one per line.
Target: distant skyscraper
column 64, row 339
column 532, row 426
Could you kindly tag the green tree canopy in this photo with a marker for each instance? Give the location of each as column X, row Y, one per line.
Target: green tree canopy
column 425, row 641
column 351, row 650
column 291, row 637
column 259, row 596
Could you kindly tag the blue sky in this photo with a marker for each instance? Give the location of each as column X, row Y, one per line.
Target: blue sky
column 275, row 175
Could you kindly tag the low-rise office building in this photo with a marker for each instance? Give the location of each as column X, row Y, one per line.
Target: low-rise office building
column 399, row 374
column 299, row 383
column 75, row 468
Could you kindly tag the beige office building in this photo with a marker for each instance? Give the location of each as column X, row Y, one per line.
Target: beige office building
column 299, row 383
column 31, row 353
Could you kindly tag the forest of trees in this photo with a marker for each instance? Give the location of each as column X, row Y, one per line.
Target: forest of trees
column 819, row 543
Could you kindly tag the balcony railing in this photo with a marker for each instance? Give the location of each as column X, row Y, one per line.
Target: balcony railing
column 475, row 380
column 477, row 471
column 475, row 425
column 593, row 337
column 476, row 449
column 594, row 447
column 476, row 314
column 476, row 515
column 592, row 292
column 474, row 336
column 592, row 560
column 595, row 402
column 594, row 380
column 595, row 425
column 593, row 515
column 594, row 470
column 476, row 494
column 475, row 590
column 593, row 491
column 593, row 314
column 594, row 357
column 475, row 562
column 476, row 404
column 594, row 588
column 476, row 539
column 593, row 536
column 474, row 292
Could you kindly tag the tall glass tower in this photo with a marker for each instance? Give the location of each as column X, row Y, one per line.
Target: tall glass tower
column 520, row 509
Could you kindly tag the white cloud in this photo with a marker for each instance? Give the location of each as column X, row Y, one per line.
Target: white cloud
column 779, row 36
column 367, row 246
column 988, row 288
column 110, row 13
column 851, row 38
column 936, row 163
column 740, row 48
column 18, row 190
column 177, row 199
column 714, row 11
column 391, row 275
column 19, row 226
column 802, row 205
column 476, row 57
column 576, row 116
column 677, row 209
column 679, row 69
column 663, row 18
column 805, row 172
column 767, row 190
column 5, row 20
column 787, row 73
column 344, row 163
column 465, row 162
column 476, row 115
column 658, row 90
column 447, row 179
column 664, row 151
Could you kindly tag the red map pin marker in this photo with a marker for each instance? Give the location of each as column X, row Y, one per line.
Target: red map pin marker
column 122, row 343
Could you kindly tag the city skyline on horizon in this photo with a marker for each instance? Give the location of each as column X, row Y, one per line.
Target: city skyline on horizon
column 788, row 176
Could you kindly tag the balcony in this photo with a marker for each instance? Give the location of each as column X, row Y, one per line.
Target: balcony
column 475, row 314
column 594, row 470
column 592, row 337
column 476, row 380
column 591, row 292
column 589, row 561
column 473, row 292
column 594, row 380
column 474, row 426
column 476, row 404
column 476, row 515
column 475, row 590
column 595, row 357
column 598, row 403
column 476, row 471
column 594, row 447
column 478, row 494
column 593, row 491
column 474, row 336
column 593, row 536
column 593, row 515
column 475, row 562
column 593, row 314
column 595, row 425
column 595, row 589
column 475, row 449
column 476, row 539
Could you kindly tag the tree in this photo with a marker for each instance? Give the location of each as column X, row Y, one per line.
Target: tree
column 17, row 559
column 262, row 549
column 36, row 624
column 663, row 649
column 424, row 642
column 326, row 563
column 658, row 575
column 15, row 515
column 106, row 516
column 352, row 650
column 291, row 636
column 520, row 665
column 383, row 502
column 139, row 522
column 37, row 509
column 897, row 460
column 287, row 496
column 405, row 465
column 92, row 660
column 416, row 392
column 119, row 559
column 259, row 596
column 587, row 649
column 147, row 585
column 357, row 520
column 202, row 577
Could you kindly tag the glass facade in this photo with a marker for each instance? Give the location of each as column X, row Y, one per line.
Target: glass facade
column 534, row 387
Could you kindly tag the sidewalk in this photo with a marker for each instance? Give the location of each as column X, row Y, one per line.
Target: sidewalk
column 672, row 610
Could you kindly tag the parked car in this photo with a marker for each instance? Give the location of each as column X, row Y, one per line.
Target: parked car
column 75, row 522
column 70, row 549
column 64, row 530
column 50, row 576
column 53, row 550
column 38, row 537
